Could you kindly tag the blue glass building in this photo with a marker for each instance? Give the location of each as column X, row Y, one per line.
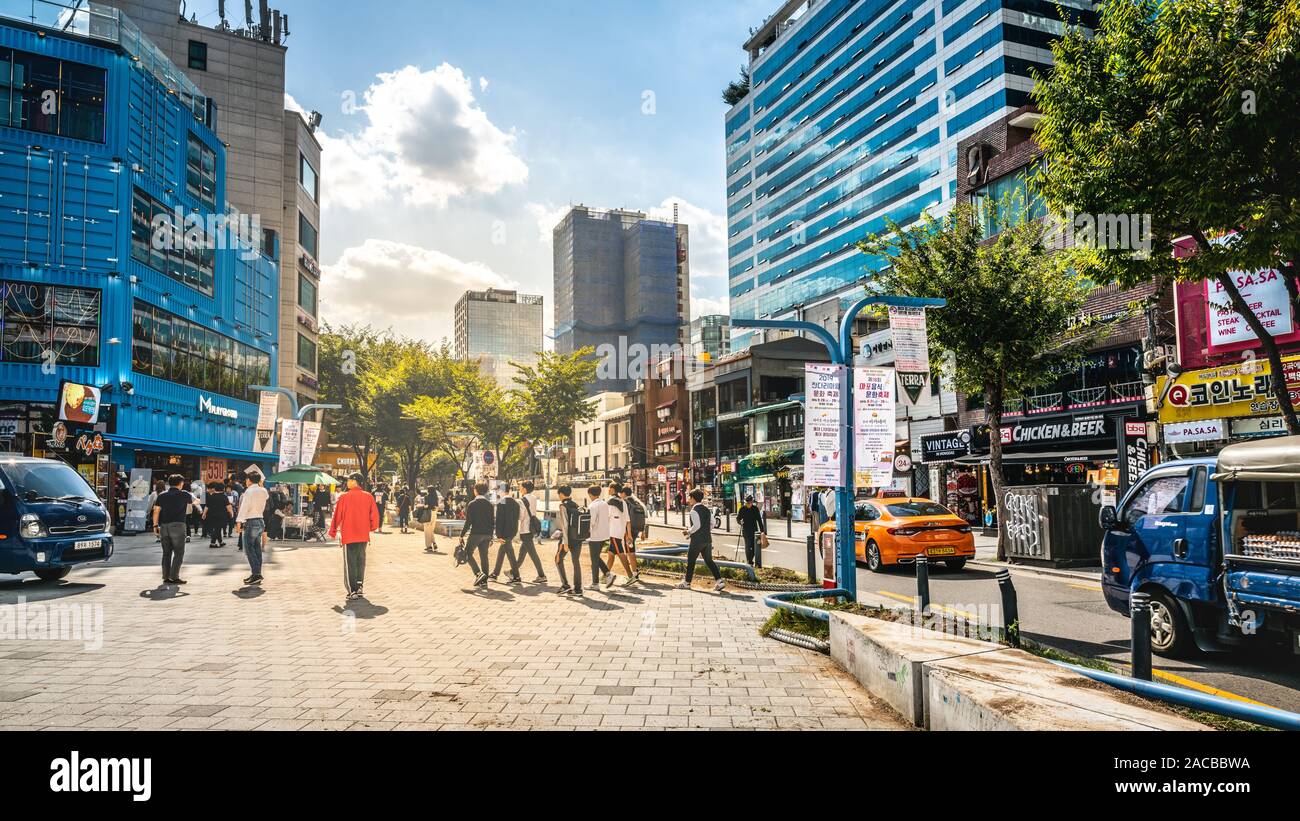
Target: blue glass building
column 853, row 116
column 103, row 144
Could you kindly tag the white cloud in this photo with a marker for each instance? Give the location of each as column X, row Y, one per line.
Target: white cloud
column 290, row 104
column 425, row 141
column 410, row 289
column 705, row 306
column 547, row 216
column 483, row 84
column 708, row 237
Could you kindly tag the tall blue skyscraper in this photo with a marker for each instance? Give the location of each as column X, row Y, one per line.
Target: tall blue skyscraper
column 853, row 115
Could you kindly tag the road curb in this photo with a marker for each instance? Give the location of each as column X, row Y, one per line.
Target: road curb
column 1076, row 575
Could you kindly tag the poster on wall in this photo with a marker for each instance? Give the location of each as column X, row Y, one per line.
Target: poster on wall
column 911, row 350
column 824, row 387
column 290, row 441
column 873, row 422
column 137, row 500
column 78, row 403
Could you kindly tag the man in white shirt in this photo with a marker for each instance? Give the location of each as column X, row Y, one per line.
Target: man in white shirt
column 619, row 529
column 527, row 534
column 599, row 511
column 251, row 525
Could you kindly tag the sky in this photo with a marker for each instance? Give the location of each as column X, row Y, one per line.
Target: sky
column 456, row 133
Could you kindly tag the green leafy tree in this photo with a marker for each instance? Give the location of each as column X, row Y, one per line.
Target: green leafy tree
column 1010, row 303
column 553, row 394
column 737, row 90
column 1183, row 112
column 416, row 370
column 348, row 360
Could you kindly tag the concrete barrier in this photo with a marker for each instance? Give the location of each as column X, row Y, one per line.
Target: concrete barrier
column 943, row 682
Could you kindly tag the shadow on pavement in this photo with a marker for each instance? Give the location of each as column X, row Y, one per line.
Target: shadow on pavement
column 249, row 592
column 362, row 608
column 163, row 592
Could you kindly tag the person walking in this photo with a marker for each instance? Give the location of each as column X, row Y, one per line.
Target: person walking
column 320, row 504
column 701, row 542
column 571, row 537
column 508, row 514
column 276, row 502
column 404, row 509
column 480, row 525
column 355, row 517
column 250, row 522
column 530, row 529
column 216, row 513
column 752, row 523
column 159, row 488
column 194, row 523
column 598, row 508
column 635, row 513
column 431, row 501
column 169, row 513
column 619, row 527
column 233, row 495
column 381, row 502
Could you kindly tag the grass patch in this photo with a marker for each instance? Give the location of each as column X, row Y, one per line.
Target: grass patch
column 766, row 575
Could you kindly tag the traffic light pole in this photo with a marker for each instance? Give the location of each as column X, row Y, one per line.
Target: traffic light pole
column 841, row 353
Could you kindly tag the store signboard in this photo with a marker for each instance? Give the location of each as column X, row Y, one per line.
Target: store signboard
column 78, row 403
column 1207, row 430
column 1063, row 431
column 944, row 447
column 1266, row 294
column 1135, row 456
column 268, row 407
column 825, row 387
column 1239, row 389
column 873, row 422
column 1259, row 426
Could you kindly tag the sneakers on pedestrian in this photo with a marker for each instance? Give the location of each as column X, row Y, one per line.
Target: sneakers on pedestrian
column 577, row 591
column 255, row 579
column 608, row 580
column 720, row 586
column 633, row 580
column 514, row 579
column 494, row 576
column 249, row 580
column 684, row 586
column 481, row 580
column 564, row 591
column 541, row 580
column 353, row 595
column 179, row 580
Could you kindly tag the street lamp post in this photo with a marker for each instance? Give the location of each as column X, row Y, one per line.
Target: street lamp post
column 841, row 353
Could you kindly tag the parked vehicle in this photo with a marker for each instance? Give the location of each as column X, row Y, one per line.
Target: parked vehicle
column 50, row 519
column 1216, row 543
column 894, row 531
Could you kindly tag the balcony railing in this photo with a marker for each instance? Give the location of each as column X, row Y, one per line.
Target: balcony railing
column 1114, row 394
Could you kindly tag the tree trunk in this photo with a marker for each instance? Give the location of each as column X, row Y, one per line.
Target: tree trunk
column 996, row 394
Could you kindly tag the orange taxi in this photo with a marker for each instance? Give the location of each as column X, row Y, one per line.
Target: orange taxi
column 894, row 531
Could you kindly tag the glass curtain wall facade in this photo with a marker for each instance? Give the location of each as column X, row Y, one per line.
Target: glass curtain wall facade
column 852, row 118
column 496, row 329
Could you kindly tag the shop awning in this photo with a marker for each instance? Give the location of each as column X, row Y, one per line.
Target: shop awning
column 667, row 404
column 1042, row 457
column 731, row 417
column 668, row 440
column 1268, row 460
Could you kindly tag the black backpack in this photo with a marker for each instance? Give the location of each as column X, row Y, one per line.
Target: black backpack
column 636, row 515
column 534, row 525
column 584, row 525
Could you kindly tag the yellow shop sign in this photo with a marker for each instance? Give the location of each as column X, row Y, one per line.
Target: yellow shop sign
column 1242, row 389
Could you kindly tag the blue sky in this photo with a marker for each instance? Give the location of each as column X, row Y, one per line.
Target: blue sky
column 476, row 123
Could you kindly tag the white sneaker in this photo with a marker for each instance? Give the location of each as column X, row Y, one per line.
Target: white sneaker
column 720, row 586
column 683, row 586
column 608, row 581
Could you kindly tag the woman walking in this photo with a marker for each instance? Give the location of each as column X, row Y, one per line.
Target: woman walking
column 217, row 515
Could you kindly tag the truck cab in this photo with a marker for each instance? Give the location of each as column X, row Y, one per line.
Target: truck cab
column 1215, row 541
column 50, row 519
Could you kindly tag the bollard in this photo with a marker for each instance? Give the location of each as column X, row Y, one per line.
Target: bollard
column 1140, row 628
column 1010, row 610
column 758, row 547
column 789, row 525
column 812, row 559
column 923, row 583
column 728, row 519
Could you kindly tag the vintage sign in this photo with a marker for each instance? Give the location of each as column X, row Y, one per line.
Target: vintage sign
column 873, row 423
column 944, row 447
column 1208, row 430
column 825, row 387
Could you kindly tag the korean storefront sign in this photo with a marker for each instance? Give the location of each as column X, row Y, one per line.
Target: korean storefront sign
column 1264, row 291
column 1243, row 389
column 873, row 422
column 1206, row 430
column 825, row 387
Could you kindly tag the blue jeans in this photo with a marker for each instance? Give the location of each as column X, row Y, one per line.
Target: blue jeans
column 252, row 536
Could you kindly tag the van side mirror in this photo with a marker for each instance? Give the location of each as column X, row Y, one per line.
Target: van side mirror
column 1108, row 518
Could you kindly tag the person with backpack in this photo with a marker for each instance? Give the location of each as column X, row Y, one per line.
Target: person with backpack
column 636, row 519
column 403, row 500
column 508, row 515
column 701, row 535
column 620, row 528
column 480, row 525
column 751, row 522
column 575, row 527
column 598, row 509
column 530, row 529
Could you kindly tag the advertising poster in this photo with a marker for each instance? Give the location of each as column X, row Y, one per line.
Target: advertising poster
column 1265, row 293
column 310, row 440
column 268, row 406
column 137, row 500
column 911, row 350
column 290, row 441
column 873, row 422
column 78, row 403
column 824, row 386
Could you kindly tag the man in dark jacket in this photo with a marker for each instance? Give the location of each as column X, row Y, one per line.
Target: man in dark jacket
column 751, row 523
column 507, row 528
column 570, row 542
column 480, row 523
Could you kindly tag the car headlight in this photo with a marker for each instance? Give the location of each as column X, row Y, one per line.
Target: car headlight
column 31, row 527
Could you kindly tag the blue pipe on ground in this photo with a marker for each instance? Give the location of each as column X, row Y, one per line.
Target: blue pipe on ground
column 786, row 601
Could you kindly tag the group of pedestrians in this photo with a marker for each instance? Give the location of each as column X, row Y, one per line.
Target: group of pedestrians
column 171, row 511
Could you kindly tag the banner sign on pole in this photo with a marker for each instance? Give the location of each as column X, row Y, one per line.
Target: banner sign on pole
column 310, row 439
column 268, row 406
column 911, row 349
column 873, row 420
column 824, row 387
column 290, row 441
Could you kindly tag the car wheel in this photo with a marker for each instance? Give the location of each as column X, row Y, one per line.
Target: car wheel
column 954, row 564
column 53, row 574
column 1171, row 636
column 874, row 563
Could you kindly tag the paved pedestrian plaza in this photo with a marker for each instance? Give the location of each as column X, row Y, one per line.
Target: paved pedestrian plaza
column 420, row 651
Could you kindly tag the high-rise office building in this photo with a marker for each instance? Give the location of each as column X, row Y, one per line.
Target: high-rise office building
column 852, row 117
column 622, row 280
column 711, row 337
column 274, row 159
column 498, row 328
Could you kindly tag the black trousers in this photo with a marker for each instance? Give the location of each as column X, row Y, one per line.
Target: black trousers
column 698, row 549
column 527, row 548
column 751, row 545
column 507, row 551
column 479, row 543
column 597, row 563
column 575, row 556
column 172, row 535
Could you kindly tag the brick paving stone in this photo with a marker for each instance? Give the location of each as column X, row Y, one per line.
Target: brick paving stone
column 419, row 653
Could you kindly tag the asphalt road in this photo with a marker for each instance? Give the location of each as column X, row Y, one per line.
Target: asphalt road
column 1067, row 613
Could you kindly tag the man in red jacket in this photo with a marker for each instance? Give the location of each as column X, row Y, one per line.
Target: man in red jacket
column 355, row 516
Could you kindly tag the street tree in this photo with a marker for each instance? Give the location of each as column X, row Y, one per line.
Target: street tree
column 416, row 370
column 1013, row 319
column 1183, row 113
column 553, row 395
column 348, row 359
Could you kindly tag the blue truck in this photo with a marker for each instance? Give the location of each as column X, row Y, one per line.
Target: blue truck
column 1215, row 541
column 50, row 519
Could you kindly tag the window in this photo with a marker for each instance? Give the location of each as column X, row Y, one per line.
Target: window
column 306, row 353
column 168, row 347
column 51, row 96
column 36, row 320
column 165, row 250
column 307, row 236
column 1158, row 496
column 307, row 178
column 201, row 172
column 198, row 55
column 306, row 295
